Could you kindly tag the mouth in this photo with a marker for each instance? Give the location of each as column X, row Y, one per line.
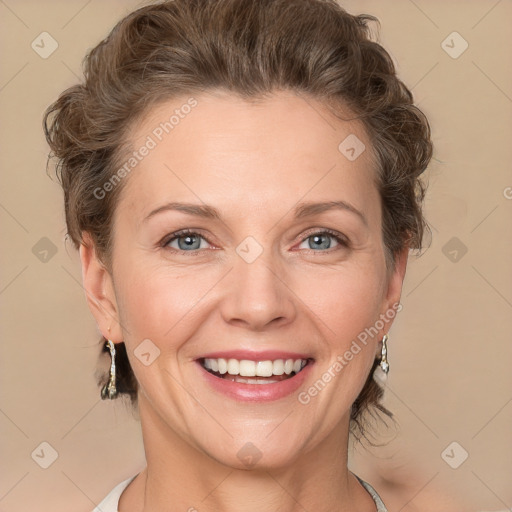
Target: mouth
column 245, row 371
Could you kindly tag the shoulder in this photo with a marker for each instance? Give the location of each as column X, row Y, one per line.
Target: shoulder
column 111, row 501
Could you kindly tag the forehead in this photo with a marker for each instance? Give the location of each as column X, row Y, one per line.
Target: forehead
column 219, row 148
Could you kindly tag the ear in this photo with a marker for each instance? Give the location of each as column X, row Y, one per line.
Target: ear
column 99, row 291
column 395, row 281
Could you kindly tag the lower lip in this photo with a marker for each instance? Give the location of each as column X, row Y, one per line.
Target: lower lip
column 256, row 392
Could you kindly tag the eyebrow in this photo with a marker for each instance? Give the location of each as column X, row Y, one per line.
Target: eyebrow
column 301, row 211
column 310, row 209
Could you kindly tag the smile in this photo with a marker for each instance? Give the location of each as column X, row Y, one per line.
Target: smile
column 254, row 372
column 255, row 380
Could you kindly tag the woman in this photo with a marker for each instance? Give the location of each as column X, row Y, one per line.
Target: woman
column 241, row 179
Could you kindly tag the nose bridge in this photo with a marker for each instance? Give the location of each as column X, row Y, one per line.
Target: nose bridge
column 259, row 294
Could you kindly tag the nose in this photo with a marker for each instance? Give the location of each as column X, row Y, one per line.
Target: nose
column 258, row 295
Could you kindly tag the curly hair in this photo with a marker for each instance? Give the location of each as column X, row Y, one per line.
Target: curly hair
column 250, row 48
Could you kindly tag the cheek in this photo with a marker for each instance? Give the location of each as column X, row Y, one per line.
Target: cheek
column 159, row 306
column 348, row 306
column 159, row 301
column 346, row 302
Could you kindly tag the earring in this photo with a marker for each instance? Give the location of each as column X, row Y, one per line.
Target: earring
column 381, row 372
column 109, row 390
column 384, row 355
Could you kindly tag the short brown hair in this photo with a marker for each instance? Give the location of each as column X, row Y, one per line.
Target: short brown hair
column 250, row 48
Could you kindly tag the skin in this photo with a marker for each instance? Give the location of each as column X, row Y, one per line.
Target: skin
column 253, row 162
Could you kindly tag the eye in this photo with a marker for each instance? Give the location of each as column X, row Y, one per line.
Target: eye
column 320, row 239
column 186, row 240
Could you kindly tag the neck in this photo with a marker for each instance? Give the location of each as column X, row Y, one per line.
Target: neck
column 183, row 477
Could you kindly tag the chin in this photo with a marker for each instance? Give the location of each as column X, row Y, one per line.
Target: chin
column 256, row 455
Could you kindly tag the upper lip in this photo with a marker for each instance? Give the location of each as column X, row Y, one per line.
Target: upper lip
column 252, row 355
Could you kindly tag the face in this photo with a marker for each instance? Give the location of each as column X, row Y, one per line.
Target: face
column 261, row 274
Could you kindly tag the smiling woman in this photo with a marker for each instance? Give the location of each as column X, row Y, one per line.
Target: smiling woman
column 243, row 258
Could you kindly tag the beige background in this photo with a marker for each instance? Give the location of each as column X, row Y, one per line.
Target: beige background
column 450, row 348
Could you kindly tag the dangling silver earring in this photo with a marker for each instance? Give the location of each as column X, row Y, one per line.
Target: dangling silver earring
column 109, row 390
column 384, row 355
column 381, row 372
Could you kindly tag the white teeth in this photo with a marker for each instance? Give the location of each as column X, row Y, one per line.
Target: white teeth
column 233, row 367
column 263, row 368
column 223, row 365
column 214, row 365
column 247, row 368
column 278, row 368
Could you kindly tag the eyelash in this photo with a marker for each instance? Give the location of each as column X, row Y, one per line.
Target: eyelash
column 341, row 239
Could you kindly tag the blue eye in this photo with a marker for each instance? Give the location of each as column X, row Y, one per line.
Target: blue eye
column 190, row 241
column 187, row 240
column 320, row 240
